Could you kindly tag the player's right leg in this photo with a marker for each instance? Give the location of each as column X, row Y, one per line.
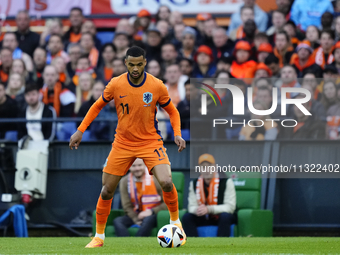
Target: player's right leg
column 117, row 164
column 103, row 208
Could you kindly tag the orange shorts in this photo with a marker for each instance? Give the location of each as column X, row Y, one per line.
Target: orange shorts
column 120, row 159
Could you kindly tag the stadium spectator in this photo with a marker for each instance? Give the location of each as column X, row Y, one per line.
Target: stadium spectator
column 303, row 59
column 261, row 18
column 118, row 67
column 242, row 66
column 291, row 30
column 174, row 84
column 138, row 210
column 155, row 69
column 247, row 13
column 27, row 39
column 36, row 110
column 262, row 83
column 15, row 88
column 125, row 26
column 121, row 42
column 284, row 6
column 278, row 20
column 83, row 90
column 283, row 49
column 307, row 126
column 200, row 19
column 74, row 51
column 337, row 28
column 336, row 53
column 163, row 13
column 183, row 107
column 310, row 79
column 169, row 55
column 83, row 65
column 211, row 200
column 258, row 39
column 260, row 129
column 263, row 52
column 55, row 94
column 327, row 20
column 204, row 66
column 142, row 23
column 153, row 44
column 18, row 67
column 89, row 27
column 176, row 18
column 188, row 43
column 329, row 94
column 164, row 27
column 87, row 44
column 73, row 35
column 178, row 35
column 60, row 66
column 308, row 12
column 223, row 46
column 209, row 26
column 273, row 63
column 224, row 63
column 10, row 41
column 249, row 31
column 262, row 71
column 313, row 35
column 1, row 34
column 289, row 79
column 264, row 95
column 317, row 109
column 39, row 62
column 105, row 70
column 186, row 66
column 52, row 27
column 8, row 109
column 330, row 73
column 56, row 49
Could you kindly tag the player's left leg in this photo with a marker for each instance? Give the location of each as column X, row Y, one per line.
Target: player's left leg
column 162, row 173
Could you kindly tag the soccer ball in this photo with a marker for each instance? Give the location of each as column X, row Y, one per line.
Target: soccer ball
column 170, row 236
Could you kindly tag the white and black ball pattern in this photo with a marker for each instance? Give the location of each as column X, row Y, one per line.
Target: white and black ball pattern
column 170, row 236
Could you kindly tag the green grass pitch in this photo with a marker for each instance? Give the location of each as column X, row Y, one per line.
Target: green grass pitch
column 149, row 245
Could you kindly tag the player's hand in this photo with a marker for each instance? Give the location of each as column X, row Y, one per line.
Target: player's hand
column 202, row 210
column 144, row 214
column 180, row 143
column 75, row 140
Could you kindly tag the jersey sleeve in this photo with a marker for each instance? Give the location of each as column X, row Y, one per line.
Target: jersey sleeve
column 108, row 93
column 164, row 98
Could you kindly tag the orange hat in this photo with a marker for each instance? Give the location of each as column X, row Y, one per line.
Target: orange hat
column 264, row 67
column 242, row 45
column 305, row 44
column 265, row 47
column 204, row 49
column 143, row 13
column 206, row 157
column 203, row 16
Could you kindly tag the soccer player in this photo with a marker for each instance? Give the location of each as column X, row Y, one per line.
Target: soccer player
column 136, row 95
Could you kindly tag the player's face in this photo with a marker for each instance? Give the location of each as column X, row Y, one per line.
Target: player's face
column 138, row 168
column 135, row 66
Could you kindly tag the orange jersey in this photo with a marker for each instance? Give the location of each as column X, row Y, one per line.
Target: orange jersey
column 136, row 107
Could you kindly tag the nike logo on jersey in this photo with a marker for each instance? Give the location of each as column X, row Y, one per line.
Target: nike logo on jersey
column 122, row 96
column 161, row 159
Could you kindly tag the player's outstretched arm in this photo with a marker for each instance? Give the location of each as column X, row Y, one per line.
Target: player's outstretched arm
column 75, row 140
column 90, row 116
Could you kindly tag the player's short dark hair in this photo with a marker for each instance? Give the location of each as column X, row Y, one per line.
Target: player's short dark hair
column 328, row 31
column 135, row 51
column 31, row 87
column 77, row 9
column 270, row 59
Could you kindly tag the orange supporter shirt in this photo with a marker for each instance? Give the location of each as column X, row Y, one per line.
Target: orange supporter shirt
column 136, row 107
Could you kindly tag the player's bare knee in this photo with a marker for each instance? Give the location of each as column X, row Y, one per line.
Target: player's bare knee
column 166, row 185
column 106, row 193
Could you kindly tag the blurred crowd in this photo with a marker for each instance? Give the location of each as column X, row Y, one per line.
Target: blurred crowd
column 60, row 74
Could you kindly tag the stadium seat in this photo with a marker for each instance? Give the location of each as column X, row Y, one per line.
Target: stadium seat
column 252, row 221
column 163, row 217
column 105, row 36
column 11, row 136
column 66, row 130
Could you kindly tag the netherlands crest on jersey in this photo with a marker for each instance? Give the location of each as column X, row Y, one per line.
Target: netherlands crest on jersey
column 147, row 97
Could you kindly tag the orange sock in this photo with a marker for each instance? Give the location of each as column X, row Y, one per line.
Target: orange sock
column 102, row 212
column 171, row 201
